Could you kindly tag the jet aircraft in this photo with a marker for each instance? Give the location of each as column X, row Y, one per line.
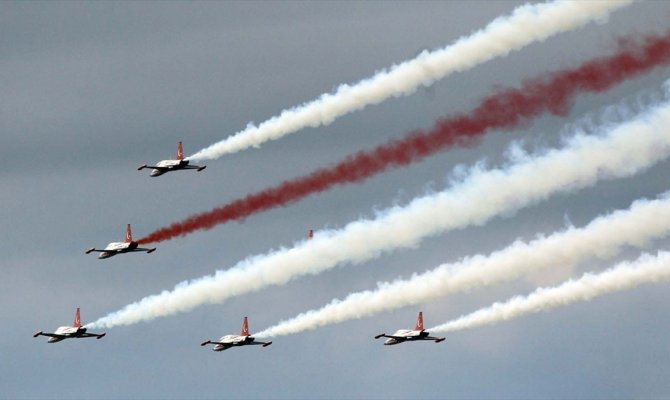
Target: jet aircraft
column 409, row 335
column 115, row 248
column 76, row 331
column 228, row 341
column 164, row 166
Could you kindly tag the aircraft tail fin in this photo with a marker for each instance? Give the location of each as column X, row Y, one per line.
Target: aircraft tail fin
column 245, row 327
column 77, row 319
column 180, row 152
column 419, row 322
column 129, row 234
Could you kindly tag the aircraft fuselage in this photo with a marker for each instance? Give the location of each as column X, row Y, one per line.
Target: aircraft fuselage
column 67, row 332
column 232, row 340
column 115, row 248
column 167, row 166
column 405, row 335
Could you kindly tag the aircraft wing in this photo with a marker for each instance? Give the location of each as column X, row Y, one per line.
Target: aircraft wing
column 145, row 249
column 96, row 250
column 391, row 337
column 98, row 335
column 255, row 343
column 225, row 345
column 199, row 168
column 53, row 335
column 152, row 166
column 436, row 339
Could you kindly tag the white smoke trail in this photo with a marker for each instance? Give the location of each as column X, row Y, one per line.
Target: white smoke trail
column 622, row 151
column 646, row 269
column 526, row 24
column 603, row 237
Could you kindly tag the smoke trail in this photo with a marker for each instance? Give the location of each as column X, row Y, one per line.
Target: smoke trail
column 526, row 24
column 622, row 151
column 502, row 110
column 603, row 237
column 646, row 269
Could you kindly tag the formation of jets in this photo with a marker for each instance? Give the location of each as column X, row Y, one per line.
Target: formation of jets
column 76, row 331
column 161, row 167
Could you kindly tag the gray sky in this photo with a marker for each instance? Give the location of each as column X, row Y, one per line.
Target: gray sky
column 91, row 90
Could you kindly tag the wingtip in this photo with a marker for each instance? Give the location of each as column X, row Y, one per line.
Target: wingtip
column 88, row 251
column 380, row 335
column 37, row 334
column 267, row 344
column 141, row 167
column 205, row 343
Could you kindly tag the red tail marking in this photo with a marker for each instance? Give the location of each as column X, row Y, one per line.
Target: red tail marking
column 245, row 328
column 77, row 319
column 310, row 234
column 419, row 322
column 180, row 152
column 129, row 234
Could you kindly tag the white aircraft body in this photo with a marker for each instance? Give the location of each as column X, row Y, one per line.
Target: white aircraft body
column 228, row 341
column 164, row 166
column 114, row 248
column 409, row 335
column 76, row 331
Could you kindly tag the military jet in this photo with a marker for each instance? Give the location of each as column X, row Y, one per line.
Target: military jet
column 76, row 331
column 409, row 335
column 164, row 166
column 114, row 248
column 228, row 341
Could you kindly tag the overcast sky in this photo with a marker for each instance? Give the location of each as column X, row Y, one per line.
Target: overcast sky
column 91, row 90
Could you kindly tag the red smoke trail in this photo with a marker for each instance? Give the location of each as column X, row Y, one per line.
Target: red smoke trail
column 504, row 109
